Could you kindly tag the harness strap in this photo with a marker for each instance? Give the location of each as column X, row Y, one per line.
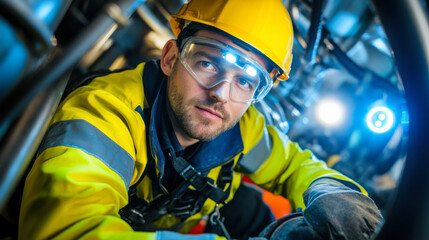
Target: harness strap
column 204, row 185
column 140, row 213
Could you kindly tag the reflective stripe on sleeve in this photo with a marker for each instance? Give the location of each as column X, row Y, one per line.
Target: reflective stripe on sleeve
column 258, row 154
column 80, row 134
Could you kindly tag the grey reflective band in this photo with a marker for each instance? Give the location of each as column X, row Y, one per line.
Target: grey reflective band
column 258, row 154
column 80, row 134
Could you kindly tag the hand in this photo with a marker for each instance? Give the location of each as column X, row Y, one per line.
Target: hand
column 335, row 211
column 292, row 226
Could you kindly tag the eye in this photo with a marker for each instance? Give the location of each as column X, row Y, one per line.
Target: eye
column 207, row 66
column 245, row 84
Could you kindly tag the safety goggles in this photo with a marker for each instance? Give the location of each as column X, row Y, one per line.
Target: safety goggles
column 211, row 62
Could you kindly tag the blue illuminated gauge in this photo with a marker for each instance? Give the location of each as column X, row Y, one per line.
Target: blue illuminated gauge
column 380, row 119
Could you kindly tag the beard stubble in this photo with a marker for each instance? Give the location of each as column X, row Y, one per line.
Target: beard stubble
column 196, row 127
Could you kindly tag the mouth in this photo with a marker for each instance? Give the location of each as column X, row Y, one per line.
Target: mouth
column 209, row 113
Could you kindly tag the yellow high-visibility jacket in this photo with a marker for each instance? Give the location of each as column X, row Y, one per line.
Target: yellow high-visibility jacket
column 98, row 145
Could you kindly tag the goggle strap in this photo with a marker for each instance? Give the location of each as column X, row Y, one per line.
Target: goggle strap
column 275, row 73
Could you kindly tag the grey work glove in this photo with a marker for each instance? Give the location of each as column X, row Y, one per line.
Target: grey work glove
column 335, row 211
column 292, row 226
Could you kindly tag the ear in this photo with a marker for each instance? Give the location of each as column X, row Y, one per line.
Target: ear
column 169, row 56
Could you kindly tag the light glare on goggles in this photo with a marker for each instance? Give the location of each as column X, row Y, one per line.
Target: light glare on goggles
column 211, row 62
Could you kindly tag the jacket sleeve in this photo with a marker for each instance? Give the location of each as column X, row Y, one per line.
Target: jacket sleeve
column 93, row 151
column 279, row 165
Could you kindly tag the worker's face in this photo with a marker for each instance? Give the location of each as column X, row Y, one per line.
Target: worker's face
column 200, row 113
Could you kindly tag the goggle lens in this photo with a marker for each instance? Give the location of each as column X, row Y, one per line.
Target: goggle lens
column 212, row 62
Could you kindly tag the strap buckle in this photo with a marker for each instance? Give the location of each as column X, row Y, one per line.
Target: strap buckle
column 188, row 172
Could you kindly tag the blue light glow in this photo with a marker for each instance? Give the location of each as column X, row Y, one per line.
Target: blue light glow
column 380, row 119
column 230, row 58
column 250, row 70
column 47, row 10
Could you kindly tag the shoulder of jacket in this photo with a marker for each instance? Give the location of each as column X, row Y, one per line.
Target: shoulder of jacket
column 126, row 85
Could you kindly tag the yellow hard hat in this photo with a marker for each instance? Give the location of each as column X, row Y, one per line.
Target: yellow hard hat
column 265, row 25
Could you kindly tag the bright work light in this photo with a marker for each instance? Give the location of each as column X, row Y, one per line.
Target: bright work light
column 250, row 70
column 230, row 58
column 380, row 119
column 330, row 112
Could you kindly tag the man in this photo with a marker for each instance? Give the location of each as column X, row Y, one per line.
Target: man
column 148, row 152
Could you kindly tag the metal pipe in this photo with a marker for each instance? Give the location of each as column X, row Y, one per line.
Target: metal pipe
column 297, row 34
column 18, row 148
column 19, row 142
column 314, row 32
column 152, row 21
column 59, row 64
column 18, row 13
column 359, row 72
column 50, row 11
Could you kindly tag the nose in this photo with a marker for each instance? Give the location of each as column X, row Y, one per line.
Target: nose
column 220, row 92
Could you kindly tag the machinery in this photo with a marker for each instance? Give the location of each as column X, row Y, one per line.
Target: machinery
column 357, row 94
